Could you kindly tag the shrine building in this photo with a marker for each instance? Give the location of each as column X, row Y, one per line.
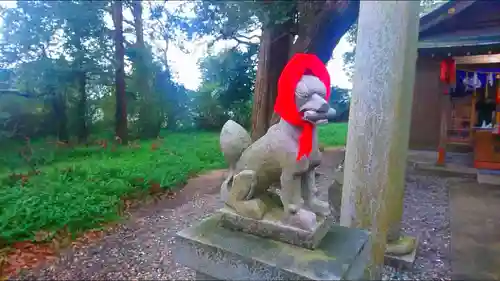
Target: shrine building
column 456, row 103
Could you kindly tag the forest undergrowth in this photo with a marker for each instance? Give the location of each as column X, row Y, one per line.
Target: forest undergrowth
column 51, row 193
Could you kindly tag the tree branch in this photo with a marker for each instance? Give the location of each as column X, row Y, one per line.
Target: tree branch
column 21, row 94
column 129, row 22
column 128, row 44
column 248, row 38
column 239, row 41
column 239, row 38
column 109, row 9
column 322, row 29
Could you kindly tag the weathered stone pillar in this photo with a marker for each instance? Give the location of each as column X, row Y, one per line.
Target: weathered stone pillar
column 379, row 121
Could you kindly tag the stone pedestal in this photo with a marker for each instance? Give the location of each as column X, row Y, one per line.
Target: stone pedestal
column 203, row 277
column 271, row 228
column 218, row 253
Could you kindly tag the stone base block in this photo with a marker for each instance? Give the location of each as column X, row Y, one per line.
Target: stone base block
column 203, row 277
column 449, row 170
column 215, row 252
column 490, row 177
column 403, row 261
column 270, row 227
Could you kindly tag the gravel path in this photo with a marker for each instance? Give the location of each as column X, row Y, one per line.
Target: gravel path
column 426, row 216
column 141, row 248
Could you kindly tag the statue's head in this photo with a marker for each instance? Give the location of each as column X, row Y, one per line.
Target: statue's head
column 303, row 91
column 311, row 100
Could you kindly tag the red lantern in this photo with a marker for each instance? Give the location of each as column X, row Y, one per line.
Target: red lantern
column 448, row 73
column 443, row 76
column 498, row 93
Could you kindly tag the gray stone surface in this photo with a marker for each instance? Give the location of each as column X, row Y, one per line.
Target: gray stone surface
column 228, row 255
column 268, row 227
column 203, row 277
column 484, row 178
column 449, row 170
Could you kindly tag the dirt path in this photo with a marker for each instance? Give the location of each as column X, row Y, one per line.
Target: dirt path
column 140, row 248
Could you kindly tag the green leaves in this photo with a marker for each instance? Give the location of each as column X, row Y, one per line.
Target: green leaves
column 4, row 116
column 84, row 187
column 231, row 74
column 427, row 6
column 227, row 88
column 81, row 188
column 221, row 19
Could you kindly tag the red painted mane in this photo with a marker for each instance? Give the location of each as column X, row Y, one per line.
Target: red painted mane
column 285, row 107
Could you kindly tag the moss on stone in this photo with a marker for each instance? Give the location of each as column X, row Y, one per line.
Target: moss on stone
column 206, row 227
column 302, row 255
column 403, row 246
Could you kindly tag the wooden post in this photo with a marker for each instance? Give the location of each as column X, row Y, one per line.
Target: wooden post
column 443, row 133
column 497, row 101
column 379, row 120
column 473, row 118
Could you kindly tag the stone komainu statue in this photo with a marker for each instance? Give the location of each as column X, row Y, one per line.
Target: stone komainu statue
column 286, row 156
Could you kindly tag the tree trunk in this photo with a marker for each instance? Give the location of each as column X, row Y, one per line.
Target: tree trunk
column 81, row 83
column 148, row 113
column 273, row 55
column 82, row 108
column 60, row 116
column 121, row 129
column 138, row 26
column 321, row 24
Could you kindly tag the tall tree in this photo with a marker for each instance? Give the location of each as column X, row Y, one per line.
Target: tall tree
column 340, row 101
column 83, row 23
column 275, row 48
column 285, row 28
column 77, row 31
column 141, row 54
column 29, row 31
column 226, row 91
column 319, row 27
column 121, row 126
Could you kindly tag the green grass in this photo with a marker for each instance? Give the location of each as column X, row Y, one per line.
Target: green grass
column 81, row 188
column 334, row 134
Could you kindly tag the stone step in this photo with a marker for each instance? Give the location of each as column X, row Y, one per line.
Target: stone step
column 488, row 177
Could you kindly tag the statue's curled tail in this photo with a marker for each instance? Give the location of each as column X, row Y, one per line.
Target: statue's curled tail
column 234, row 139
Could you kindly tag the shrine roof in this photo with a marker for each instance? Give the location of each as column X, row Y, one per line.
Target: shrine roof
column 460, row 40
column 468, row 27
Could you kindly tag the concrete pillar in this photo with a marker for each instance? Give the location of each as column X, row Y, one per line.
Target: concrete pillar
column 379, row 121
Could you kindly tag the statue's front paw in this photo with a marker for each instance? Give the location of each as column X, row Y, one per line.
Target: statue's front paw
column 302, row 219
column 293, row 208
column 320, row 207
